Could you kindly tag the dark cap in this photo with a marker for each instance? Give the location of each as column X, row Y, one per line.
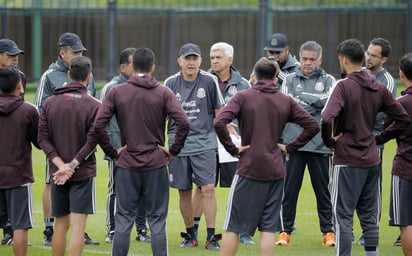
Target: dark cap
column 276, row 42
column 9, row 47
column 71, row 40
column 189, row 49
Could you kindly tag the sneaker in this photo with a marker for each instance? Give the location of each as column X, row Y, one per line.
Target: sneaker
column 213, row 244
column 48, row 234
column 294, row 230
column 398, row 241
column 143, row 236
column 283, row 239
column 89, row 240
column 7, row 239
column 109, row 237
column 246, row 239
column 329, row 239
column 362, row 240
column 188, row 241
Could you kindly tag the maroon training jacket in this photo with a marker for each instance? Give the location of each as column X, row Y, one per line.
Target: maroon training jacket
column 66, row 129
column 142, row 106
column 263, row 112
column 18, row 129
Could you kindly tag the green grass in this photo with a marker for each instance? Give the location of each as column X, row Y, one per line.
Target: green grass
column 307, row 242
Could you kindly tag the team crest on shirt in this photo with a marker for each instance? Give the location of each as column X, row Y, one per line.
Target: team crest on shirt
column 299, row 88
column 319, row 86
column 232, row 90
column 179, row 97
column 201, row 93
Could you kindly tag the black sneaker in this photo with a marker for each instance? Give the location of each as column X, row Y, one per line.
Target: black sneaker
column 88, row 240
column 398, row 241
column 213, row 244
column 48, row 233
column 143, row 236
column 109, row 237
column 7, row 239
column 188, row 240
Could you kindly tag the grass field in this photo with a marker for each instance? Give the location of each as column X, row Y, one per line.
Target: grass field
column 306, row 242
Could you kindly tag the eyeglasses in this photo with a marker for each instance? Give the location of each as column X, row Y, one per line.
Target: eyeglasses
column 372, row 56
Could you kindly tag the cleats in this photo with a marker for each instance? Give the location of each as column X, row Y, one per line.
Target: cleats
column 47, row 239
column 246, row 239
column 212, row 244
column 109, row 237
column 329, row 239
column 283, row 239
column 7, row 239
column 188, row 241
column 398, row 241
column 143, row 236
column 89, row 240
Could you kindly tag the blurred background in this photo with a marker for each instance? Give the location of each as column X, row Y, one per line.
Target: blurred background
column 108, row 26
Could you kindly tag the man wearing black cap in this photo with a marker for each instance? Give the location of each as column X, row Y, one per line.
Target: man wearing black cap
column 9, row 57
column 277, row 46
column 69, row 46
column 198, row 92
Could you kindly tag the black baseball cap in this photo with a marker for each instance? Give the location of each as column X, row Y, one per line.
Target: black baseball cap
column 189, row 49
column 71, row 40
column 9, row 47
column 276, row 42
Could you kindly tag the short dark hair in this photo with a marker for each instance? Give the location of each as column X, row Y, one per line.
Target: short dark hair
column 143, row 60
column 9, row 79
column 384, row 44
column 124, row 55
column 405, row 65
column 352, row 49
column 80, row 68
column 265, row 69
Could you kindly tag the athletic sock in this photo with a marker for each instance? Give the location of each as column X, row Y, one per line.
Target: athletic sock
column 371, row 251
column 210, row 233
column 191, row 232
column 196, row 220
column 48, row 222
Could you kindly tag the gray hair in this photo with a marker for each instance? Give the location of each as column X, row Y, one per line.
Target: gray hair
column 311, row 46
column 222, row 46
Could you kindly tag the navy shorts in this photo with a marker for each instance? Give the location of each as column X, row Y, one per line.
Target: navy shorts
column 400, row 209
column 74, row 196
column 253, row 204
column 225, row 173
column 199, row 169
column 16, row 206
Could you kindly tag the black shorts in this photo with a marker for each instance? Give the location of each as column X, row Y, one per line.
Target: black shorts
column 16, row 206
column 74, row 196
column 225, row 173
column 400, row 209
column 253, row 204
